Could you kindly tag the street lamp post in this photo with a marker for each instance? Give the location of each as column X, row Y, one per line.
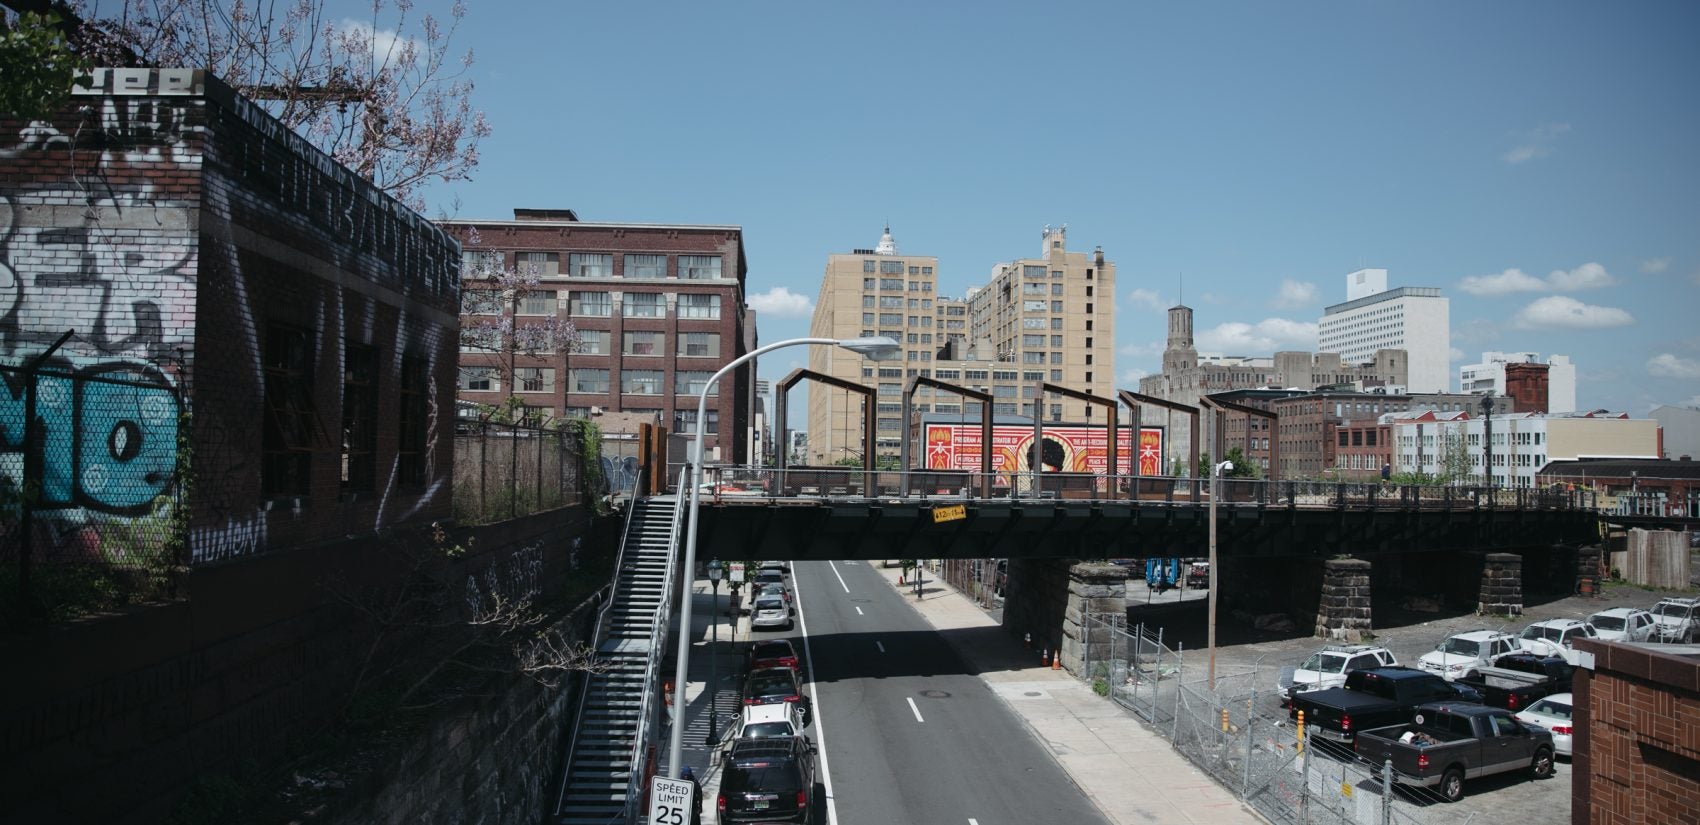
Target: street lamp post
column 1487, row 441
column 1215, row 474
column 714, row 571
column 878, row 349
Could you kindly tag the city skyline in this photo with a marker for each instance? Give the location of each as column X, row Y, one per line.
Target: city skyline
column 1531, row 160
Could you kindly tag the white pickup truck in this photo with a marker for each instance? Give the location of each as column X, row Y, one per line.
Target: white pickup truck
column 1462, row 653
column 1677, row 621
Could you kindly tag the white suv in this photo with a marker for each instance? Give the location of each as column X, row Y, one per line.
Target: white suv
column 1461, row 653
column 1623, row 624
column 1327, row 668
column 1677, row 620
column 1553, row 637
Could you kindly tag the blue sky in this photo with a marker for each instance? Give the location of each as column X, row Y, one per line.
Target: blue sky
column 1538, row 161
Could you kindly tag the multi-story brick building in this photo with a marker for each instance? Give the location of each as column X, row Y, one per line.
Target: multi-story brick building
column 1637, row 742
column 656, row 310
column 193, row 244
column 1338, row 435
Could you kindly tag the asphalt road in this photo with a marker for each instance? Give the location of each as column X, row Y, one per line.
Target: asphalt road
column 907, row 734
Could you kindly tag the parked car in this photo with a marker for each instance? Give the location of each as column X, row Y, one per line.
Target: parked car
column 1445, row 744
column 1677, row 620
column 1327, row 668
column 1372, row 698
column 770, row 589
column 766, row 577
column 783, row 567
column 1623, row 624
column 1461, row 653
column 1198, row 574
column 771, row 612
column 1553, row 713
column 771, row 653
column 768, row 780
column 1554, row 637
column 771, row 685
column 768, row 721
column 1517, row 680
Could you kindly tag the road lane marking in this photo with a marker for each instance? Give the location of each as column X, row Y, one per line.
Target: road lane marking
column 859, row 611
column 840, row 577
column 880, row 645
column 820, row 728
column 917, row 710
column 973, row 821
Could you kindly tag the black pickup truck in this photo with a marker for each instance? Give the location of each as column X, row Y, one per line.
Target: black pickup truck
column 1373, row 698
column 1445, row 744
column 1519, row 680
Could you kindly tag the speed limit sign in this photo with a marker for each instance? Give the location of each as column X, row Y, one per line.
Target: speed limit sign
column 670, row 801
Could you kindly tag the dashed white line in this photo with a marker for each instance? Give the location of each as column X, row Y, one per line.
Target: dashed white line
column 859, row 611
column 917, row 710
column 840, row 577
column 820, row 728
column 973, row 821
column 880, row 645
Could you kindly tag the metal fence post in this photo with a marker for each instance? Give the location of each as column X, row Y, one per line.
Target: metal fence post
column 1304, row 786
column 1387, row 792
column 1250, row 706
column 483, row 468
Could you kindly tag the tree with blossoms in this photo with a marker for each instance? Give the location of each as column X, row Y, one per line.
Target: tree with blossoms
column 491, row 295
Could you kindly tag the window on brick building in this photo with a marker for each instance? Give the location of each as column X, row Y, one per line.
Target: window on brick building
column 478, row 263
column 685, row 421
column 643, row 342
column 640, row 382
column 646, row 266
column 540, row 264
column 588, row 380
column 642, row 305
column 540, row 302
column 479, row 379
column 867, row 266
column 586, row 265
column 699, row 305
column 359, row 417
column 590, row 304
column 692, row 382
column 480, row 302
column 534, row 379
column 892, row 268
column 591, row 342
column 699, row 344
column 410, row 423
column 699, row 267
column 291, row 430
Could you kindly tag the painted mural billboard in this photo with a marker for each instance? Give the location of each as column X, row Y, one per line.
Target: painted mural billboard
column 1069, row 448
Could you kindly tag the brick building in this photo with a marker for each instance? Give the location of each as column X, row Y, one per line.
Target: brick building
column 1637, row 739
column 307, row 319
column 1316, row 430
column 657, row 310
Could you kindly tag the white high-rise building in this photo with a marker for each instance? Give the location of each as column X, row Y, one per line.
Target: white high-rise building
column 1415, row 319
column 1489, row 376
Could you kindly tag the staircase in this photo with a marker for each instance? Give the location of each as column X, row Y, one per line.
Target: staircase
column 604, row 769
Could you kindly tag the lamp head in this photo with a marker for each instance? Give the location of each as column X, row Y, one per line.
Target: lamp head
column 1225, row 467
column 879, row 348
column 714, row 570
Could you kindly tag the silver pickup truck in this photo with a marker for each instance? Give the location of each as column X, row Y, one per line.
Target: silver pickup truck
column 1447, row 744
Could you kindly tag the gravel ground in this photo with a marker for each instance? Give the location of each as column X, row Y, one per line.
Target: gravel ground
column 1506, row 800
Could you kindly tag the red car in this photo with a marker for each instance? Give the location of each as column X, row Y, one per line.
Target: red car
column 772, row 653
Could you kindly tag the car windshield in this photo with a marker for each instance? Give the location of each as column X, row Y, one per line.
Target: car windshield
column 1324, row 663
column 1669, row 610
column 1607, row 622
column 772, row 686
column 762, row 777
column 770, row 604
column 770, row 578
column 1538, row 632
column 772, row 650
column 1461, row 647
column 766, row 730
column 1551, row 707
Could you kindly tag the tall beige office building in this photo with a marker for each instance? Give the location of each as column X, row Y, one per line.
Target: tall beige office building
column 1047, row 318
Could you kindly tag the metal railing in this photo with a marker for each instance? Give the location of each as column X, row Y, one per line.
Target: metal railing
column 735, row 483
column 596, row 636
column 658, row 635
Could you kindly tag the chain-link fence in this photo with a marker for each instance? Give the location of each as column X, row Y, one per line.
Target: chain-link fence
column 90, row 501
column 504, row 471
column 1237, row 731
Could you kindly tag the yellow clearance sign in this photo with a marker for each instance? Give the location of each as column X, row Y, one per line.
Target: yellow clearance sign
column 952, row 512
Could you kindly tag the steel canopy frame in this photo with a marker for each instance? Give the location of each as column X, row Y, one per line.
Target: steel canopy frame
column 1133, row 400
column 985, row 399
column 1036, row 461
column 795, row 377
column 1218, row 441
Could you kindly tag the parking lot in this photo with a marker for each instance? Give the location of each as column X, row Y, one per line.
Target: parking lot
column 1409, row 630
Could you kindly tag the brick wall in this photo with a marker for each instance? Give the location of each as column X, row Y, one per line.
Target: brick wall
column 1637, row 735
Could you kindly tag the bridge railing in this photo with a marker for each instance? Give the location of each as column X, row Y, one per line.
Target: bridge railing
column 733, row 483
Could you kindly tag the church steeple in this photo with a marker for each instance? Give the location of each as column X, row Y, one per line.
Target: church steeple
column 887, row 246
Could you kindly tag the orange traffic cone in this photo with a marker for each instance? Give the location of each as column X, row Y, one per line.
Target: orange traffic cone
column 1044, row 656
column 1056, row 662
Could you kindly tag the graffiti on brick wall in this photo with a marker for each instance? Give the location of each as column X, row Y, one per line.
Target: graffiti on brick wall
column 618, row 473
column 506, row 585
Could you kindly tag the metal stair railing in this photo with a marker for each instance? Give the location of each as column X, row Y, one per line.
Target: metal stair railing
column 596, row 639
column 657, row 635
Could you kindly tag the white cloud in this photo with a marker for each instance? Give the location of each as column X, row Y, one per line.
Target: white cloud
column 1295, row 294
column 1146, row 298
column 1147, row 350
column 1537, row 143
column 1655, row 265
column 1666, row 365
column 1266, row 336
column 780, row 302
column 1561, row 312
column 1131, row 376
column 386, row 44
column 1505, row 283
column 1587, row 276
column 1454, row 355
column 1693, row 403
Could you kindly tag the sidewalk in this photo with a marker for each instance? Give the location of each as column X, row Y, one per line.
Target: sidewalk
column 1131, row 773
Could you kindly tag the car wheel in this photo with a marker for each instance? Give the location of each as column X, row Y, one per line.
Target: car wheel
column 1452, row 785
column 1542, row 767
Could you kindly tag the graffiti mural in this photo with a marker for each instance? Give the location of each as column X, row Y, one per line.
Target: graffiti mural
column 618, row 473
